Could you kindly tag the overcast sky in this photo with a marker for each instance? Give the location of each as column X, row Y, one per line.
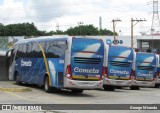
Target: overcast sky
column 47, row 14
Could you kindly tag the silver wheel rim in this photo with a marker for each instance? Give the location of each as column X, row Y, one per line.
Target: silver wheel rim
column 46, row 84
column 17, row 78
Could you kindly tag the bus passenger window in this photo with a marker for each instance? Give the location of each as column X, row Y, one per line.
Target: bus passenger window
column 29, row 49
column 51, row 51
column 36, row 51
column 19, row 51
column 23, row 50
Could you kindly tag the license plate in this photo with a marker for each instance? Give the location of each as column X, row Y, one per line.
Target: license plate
column 145, row 83
column 85, row 83
column 118, row 82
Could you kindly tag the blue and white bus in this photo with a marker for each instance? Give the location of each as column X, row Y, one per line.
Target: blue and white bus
column 70, row 63
column 145, row 70
column 119, row 67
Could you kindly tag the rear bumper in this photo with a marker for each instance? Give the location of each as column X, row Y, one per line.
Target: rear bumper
column 157, row 81
column 143, row 83
column 75, row 84
column 115, row 82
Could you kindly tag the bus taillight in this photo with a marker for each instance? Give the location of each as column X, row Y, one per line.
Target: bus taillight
column 106, row 72
column 132, row 76
column 69, row 72
column 103, row 73
column 155, row 76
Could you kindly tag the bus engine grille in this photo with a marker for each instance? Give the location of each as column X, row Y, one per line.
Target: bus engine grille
column 150, row 68
column 120, row 64
column 83, row 60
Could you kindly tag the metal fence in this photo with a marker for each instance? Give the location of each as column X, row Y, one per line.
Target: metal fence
column 3, row 42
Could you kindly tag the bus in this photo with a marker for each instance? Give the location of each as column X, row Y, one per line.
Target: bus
column 157, row 78
column 145, row 70
column 58, row 63
column 119, row 67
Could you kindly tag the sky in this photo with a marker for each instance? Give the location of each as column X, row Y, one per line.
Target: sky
column 48, row 14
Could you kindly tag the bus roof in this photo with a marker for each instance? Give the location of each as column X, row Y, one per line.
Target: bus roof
column 40, row 39
column 47, row 38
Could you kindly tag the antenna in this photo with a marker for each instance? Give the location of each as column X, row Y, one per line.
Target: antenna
column 57, row 26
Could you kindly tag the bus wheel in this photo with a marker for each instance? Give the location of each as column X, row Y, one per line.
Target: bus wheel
column 135, row 88
column 108, row 88
column 156, row 86
column 77, row 91
column 18, row 82
column 118, row 87
column 47, row 88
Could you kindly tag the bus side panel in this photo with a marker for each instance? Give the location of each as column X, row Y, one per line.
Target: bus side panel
column 31, row 70
column 56, row 67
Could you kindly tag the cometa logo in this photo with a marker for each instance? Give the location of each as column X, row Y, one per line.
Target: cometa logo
column 79, row 70
column 119, row 72
column 143, row 74
column 26, row 63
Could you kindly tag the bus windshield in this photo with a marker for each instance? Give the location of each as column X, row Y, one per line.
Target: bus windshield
column 86, row 45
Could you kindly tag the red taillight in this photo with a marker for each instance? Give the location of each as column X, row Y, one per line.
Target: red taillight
column 106, row 72
column 103, row 73
column 155, row 76
column 132, row 76
column 69, row 72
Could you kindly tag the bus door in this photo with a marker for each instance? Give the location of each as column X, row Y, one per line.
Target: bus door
column 55, row 53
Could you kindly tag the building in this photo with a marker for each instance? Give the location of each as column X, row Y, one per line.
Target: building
column 141, row 43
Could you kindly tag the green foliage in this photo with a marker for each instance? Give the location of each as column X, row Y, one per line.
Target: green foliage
column 106, row 32
column 83, row 30
column 29, row 29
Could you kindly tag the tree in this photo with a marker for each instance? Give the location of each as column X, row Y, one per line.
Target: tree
column 29, row 29
column 20, row 29
column 83, row 30
column 106, row 32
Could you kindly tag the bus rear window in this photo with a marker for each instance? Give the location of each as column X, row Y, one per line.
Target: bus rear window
column 149, row 68
column 86, row 45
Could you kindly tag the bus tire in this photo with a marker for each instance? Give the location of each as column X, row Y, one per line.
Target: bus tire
column 135, row 88
column 47, row 88
column 77, row 90
column 108, row 88
column 118, row 87
column 156, row 86
column 18, row 82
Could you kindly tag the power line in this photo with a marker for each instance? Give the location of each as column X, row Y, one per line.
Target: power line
column 132, row 25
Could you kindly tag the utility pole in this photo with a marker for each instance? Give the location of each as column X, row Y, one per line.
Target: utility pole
column 132, row 25
column 114, row 25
